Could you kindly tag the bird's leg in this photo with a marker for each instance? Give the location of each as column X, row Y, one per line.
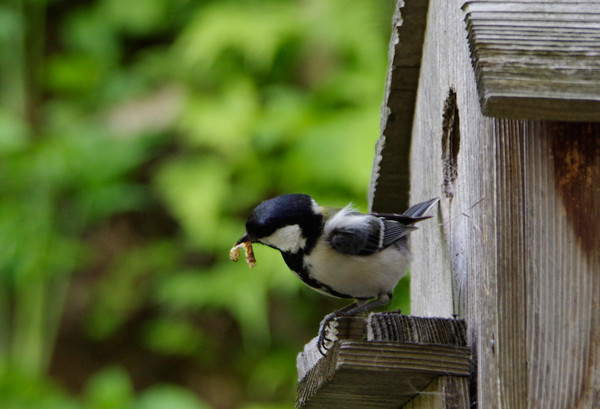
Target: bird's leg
column 353, row 309
column 366, row 305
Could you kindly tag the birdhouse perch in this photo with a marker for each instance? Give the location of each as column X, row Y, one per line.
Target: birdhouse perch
column 383, row 361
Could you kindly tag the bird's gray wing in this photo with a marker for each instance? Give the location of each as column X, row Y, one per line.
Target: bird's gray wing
column 373, row 234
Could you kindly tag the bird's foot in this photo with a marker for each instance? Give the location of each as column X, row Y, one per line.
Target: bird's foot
column 328, row 332
column 328, row 328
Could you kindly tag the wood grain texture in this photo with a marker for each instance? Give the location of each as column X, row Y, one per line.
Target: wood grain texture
column 562, row 269
column 390, row 167
column 517, row 246
column 359, row 374
column 394, row 327
column 536, row 59
column 445, row 392
column 384, row 361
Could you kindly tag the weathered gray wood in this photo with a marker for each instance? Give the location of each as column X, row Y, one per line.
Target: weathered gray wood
column 390, row 167
column 394, row 327
column 536, row 59
column 516, row 251
column 445, row 392
column 384, row 361
column 562, row 267
column 389, row 180
column 362, row 375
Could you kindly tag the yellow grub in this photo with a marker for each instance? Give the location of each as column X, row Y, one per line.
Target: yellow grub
column 249, row 254
column 234, row 253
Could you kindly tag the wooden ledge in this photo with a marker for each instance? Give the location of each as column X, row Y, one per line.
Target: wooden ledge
column 536, row 60
column 382, row 361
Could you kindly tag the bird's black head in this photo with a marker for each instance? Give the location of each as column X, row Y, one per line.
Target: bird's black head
column 288, row 223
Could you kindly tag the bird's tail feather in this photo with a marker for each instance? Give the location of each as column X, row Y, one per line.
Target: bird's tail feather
column 420, row 209
column 414, row 214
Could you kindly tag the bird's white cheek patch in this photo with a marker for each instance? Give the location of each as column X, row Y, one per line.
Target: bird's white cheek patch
column 286, row 239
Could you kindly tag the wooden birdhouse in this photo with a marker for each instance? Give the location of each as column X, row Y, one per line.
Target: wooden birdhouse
column 494, row 107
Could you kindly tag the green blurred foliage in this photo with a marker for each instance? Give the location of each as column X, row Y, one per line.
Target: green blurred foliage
column 134, row 139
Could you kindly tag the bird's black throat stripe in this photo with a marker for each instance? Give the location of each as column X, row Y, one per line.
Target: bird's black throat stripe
column 296, row 264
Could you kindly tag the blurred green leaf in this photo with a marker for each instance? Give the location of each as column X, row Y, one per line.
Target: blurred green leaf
column 20, row 391
column 139, row 17
column 172, row 336
column 168, row 396
column 234, row 289
column 109, row 389
column 346, row 173
column 272, row 374
column 223, row 122
column 75, row 73
column 196, row 189
column 401, row 299
column 87, row 32
column 14, row 133
column 253, row 31
column 128, row 285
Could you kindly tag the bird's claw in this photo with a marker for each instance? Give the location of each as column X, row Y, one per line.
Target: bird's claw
column 327, row 333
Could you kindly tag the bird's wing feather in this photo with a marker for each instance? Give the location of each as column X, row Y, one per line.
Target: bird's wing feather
column 350, row 232
column 394, row 231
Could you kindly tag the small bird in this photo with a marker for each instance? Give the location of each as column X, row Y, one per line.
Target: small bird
column 337, row 251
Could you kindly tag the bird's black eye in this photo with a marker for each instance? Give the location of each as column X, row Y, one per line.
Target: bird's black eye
column 264, row 219
column 258, row 228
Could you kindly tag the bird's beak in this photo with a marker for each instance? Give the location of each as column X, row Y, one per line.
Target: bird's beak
column 245, row 238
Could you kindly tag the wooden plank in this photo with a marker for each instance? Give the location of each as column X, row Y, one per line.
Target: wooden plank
column 441, row 283
column 395, row 327
column 562, row 190
column 536, row 59
column 400, row 357
column 509, row 262
column 390, row 167
column 516, row 246
column 445, row 392
column 362, row 375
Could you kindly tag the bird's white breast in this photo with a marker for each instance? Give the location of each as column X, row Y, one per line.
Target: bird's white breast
column 358, row 276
